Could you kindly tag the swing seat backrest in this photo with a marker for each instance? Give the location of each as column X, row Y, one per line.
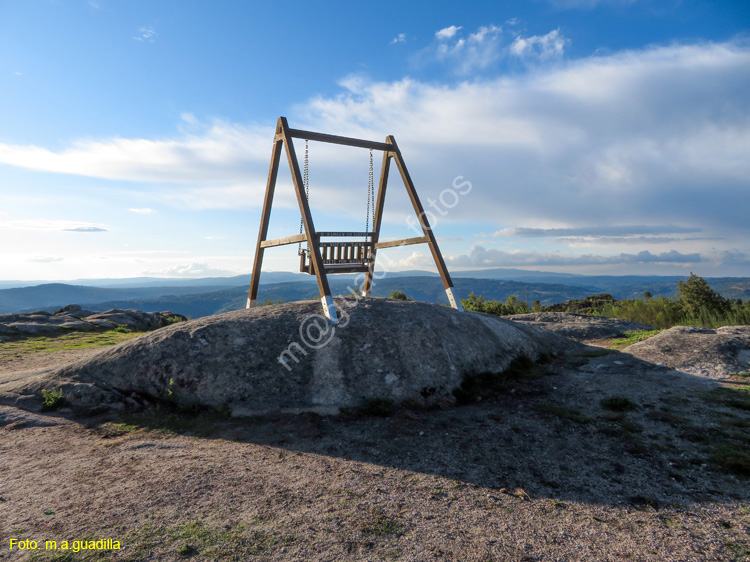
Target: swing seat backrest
column 342, row 257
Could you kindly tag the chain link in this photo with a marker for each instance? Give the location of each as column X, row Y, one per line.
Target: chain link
column 306, row 183
column 370, row 200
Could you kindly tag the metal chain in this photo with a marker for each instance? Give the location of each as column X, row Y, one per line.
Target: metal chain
column 306, row 183
column 370, row 200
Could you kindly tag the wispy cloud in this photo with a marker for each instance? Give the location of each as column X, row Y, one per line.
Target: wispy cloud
column 539, row 46
column 218, row 154
column 45, row 259
column 484, row 48
column 448, row 32
column 476, row 52
column 144, row 211
column 594, row 231
column 86, row 229
column 52, row 225
column 400, row 38
column 191, row 270
column 146, row 34
column 484, row 257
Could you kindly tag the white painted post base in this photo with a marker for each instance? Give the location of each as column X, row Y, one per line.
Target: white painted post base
column 329, row 309
column 452, row 299
column 250, row 304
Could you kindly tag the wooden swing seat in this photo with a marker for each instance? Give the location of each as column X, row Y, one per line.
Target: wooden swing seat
column 340, row 257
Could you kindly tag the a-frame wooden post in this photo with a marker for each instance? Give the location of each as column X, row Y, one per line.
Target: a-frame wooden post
column 429, row 236
column 283, row 138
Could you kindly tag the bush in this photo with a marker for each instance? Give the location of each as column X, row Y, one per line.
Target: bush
column 52, row 399
column 399, row 296
column 511, row 306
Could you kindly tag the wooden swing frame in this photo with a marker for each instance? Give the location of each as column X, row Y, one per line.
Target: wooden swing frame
column 339, row 257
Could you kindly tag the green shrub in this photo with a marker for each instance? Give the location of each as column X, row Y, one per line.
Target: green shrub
column 511, row 306
column 399, row 296
column 52, row 399
column 618, row 404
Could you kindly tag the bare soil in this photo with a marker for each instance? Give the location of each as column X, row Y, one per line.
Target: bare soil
column 596, row 456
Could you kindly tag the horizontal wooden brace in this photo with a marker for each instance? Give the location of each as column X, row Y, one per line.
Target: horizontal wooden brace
column 283, row 241
column 344, row 244
column 347, row 234
column 402, row 242
column 335, row 139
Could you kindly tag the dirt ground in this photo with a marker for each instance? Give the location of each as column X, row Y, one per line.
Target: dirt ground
column 596, row 456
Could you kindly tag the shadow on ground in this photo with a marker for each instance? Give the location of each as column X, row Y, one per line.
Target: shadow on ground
column 597, row 427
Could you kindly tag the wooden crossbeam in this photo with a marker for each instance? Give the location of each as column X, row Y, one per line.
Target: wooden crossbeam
column 403, row 242
column 284, row 241
column 335, row 139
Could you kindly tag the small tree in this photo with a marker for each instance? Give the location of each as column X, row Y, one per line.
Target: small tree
column 696, row 296
column 400, row 296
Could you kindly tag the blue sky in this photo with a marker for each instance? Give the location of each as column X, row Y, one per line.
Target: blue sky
column 599, row 137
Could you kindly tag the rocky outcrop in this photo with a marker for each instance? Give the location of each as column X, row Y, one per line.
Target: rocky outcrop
column 579, row 326
column 704, row 352
column 287, row 358
column 73, row 318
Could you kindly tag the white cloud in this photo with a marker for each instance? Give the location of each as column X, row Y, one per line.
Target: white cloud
column 448, row 32
column 45, row 259
column 657, row 136
column 42, row 225
column 400, row 38
column 145, row 211
column 190, row 270
column 483, row 257
column 146, row 34
column 476, row 52
column 221, row 153
column 595, row 231
column 540, row 46
column 86, row 229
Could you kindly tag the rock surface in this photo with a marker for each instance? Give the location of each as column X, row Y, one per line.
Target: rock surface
column 74, row 318
column 704, row 352
column 579, row 326
column 286, row 358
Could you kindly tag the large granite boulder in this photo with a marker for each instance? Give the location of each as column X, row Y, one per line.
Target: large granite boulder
column 703, row 352
column 287, row 357
column 73, row 318
column 579, row 326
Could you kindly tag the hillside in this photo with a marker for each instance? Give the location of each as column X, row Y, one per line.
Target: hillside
column 424, row 289
column 200, row 297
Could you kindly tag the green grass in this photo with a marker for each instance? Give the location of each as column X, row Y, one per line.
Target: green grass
column 170, row 419
column 629, row 338
column 380, row 525
column 74, row 340
column 731, row 459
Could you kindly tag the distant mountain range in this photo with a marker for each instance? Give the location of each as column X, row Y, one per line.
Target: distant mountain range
column 201, row 297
